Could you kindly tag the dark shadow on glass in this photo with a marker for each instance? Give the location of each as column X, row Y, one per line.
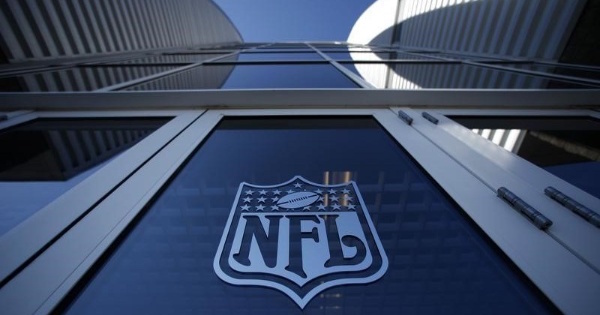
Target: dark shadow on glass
column 568, row 147
column 58, row 149
column 77, row 78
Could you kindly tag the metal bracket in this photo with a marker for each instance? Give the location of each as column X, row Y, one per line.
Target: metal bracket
column 518, row 204
column 569, row 203
column 404, row 116
column 429, row 117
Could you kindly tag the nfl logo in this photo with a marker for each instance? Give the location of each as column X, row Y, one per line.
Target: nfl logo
column 300, row 238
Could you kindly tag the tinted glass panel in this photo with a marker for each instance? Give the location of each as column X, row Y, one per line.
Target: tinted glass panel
column 375, row 56
column 286, row 46
column 457, row 57
column 253, row 77
column 280, row 50
column 574, row 72
column 567, row 147
column 49, row 157
column 279, row 57
column 174, row 58
column 457, row 76
column 77, row 79
column 438, row 261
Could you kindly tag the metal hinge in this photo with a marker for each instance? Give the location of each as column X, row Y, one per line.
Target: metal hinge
column 428, row 116
column 404, row 116
column 569, row 203
column 518, row 204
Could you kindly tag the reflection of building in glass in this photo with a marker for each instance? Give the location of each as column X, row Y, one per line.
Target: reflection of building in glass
column 523, row 75
column 58, row 150
column 468, row 44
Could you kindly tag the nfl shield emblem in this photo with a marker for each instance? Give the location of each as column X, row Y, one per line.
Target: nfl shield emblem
column 300, row 238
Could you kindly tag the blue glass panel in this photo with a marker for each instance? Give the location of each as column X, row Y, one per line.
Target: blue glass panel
column 49, row 157
column 253, row 77
column 439, row 263
column 279, row 56
column 287, row 76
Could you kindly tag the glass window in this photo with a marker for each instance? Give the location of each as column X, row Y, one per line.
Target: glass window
column 457, row 56
column 279, row 56
column 439, row 262
column 574, row 72
column 171, row 58
column 455, row 76
column 329, row 46
column 286, row 46
column 253, row 77
column 77, row 78
column 279, row 50
column 375, row 56
column 41, row 160
column 566, row 147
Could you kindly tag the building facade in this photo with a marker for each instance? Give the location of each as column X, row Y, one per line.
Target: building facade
column 442, row 160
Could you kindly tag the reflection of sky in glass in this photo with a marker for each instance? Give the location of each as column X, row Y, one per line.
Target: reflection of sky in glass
column 261, row 76
column 279, row 57
column 20, row 200
column 287, row 76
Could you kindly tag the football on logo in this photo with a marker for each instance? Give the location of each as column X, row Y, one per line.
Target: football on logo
column 286, row 236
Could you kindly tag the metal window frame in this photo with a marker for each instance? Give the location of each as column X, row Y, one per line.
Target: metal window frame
column 497, row 168
column 471, row 59
column 29, row 238
column 283, row 98
column 569, row 282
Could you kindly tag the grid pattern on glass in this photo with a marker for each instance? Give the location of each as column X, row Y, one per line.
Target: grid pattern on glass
column 589, row 73
column 566, row 147
column 77, row 78
column 376, row 55
column 310, row 56
column 171, row 58
column 253, row 77
column 458, row 56
column 454, row 76
column 49, row 157
column 285, row 46
column 438, row 262
column 80, row 76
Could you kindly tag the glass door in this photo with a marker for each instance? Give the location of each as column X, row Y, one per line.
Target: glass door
column 290, row 211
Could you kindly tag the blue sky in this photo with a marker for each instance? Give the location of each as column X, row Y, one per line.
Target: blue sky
column 294, row 20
